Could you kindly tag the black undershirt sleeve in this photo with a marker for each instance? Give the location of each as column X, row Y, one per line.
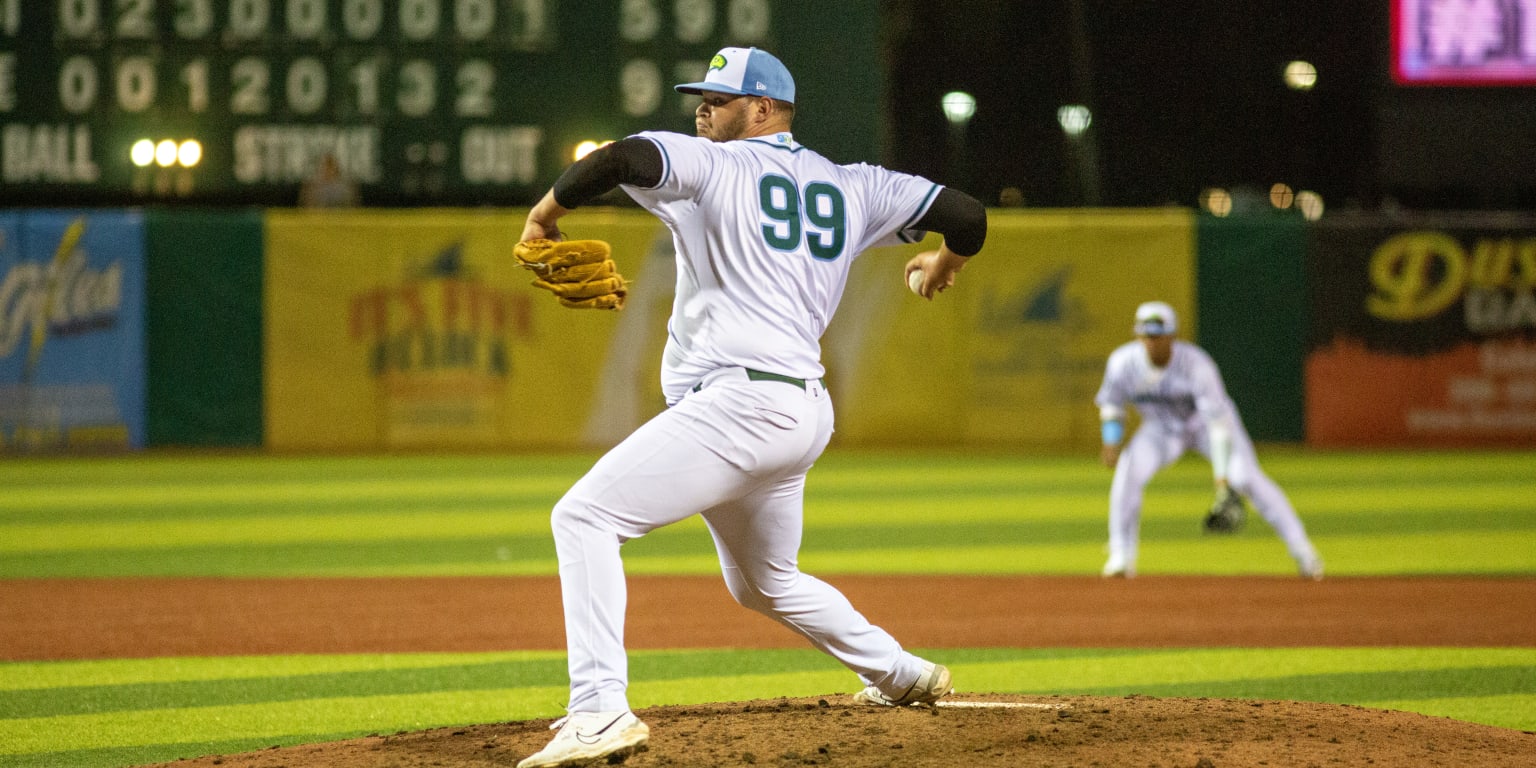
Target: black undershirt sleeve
column 960, row 218
column 632, row 161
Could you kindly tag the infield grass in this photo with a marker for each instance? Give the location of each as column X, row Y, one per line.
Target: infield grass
column 198, row 515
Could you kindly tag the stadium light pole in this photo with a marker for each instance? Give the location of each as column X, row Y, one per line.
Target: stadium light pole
column 959, row 107
column 1083, row 145
column 1076, row 121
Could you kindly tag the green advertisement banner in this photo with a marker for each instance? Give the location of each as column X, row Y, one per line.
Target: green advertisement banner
column 1253, row 303
column 203, row 327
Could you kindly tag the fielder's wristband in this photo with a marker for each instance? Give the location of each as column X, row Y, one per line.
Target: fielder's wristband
column 1112, row 432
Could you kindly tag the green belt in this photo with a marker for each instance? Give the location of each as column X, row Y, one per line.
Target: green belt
column 766, row 376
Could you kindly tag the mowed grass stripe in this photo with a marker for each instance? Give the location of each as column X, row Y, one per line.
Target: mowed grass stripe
column 887, row 498
column 475, row 557
column 400, row 527
column 404, row 700
column 1442, row 553
column 503, row 545
column 1058, row 667
column 1061, row 518
column 1026, row 671
column 353, row 716
column 1508, row 711
column 1388, row 466
column 119, row 757
column 1353, row 686
column 174, row 510
column 276, row 491
column 97, row 693
column 43, row 675
column 156, row 467
column 837, row 468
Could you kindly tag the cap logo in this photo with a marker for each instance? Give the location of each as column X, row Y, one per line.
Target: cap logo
column 718, row 62
column 762, row 86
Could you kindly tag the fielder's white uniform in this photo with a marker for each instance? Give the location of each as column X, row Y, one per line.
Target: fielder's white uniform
column 1179, row 406
column 765, row 231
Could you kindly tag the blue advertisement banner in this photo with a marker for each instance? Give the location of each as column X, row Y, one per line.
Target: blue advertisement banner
column 71, row 330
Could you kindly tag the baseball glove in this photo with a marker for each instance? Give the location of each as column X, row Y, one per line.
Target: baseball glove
column 581, row 273
column 1227, row 514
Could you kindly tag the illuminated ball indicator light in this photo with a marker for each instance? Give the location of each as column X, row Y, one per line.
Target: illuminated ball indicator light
column 189, row 153
column 166, row 153
column 142, row 153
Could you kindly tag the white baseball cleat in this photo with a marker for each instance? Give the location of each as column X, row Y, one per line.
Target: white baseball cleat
column 1311, row 568
column 585, row 737
column 933, row 684
column 1118, row 567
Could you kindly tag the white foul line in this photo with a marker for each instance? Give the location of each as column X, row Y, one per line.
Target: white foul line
column 998, row 705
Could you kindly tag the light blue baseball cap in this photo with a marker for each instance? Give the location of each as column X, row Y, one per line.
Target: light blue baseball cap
column 1155, row 318
column 745, row 72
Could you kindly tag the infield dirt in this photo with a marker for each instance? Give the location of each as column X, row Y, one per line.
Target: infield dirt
column 74, row 619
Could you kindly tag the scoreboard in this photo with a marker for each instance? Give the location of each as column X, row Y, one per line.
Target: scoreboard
column 1464, row 43
column 423, row 102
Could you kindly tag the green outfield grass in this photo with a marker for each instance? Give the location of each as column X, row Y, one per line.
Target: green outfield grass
column 186, row 515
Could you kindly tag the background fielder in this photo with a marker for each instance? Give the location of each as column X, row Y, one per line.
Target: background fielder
column 765, row 232
column 1178, row 392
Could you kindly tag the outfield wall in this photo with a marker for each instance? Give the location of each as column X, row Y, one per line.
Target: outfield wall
column 382, row 329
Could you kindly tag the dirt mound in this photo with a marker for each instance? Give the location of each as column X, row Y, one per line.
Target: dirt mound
column 972, row 730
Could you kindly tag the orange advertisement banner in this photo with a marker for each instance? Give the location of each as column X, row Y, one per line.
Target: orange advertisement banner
column 1476, row 394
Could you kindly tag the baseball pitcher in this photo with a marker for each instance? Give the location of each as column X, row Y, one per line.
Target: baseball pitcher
column 765, row 231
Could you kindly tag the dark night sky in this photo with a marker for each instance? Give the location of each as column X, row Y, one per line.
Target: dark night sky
column 1186, row 99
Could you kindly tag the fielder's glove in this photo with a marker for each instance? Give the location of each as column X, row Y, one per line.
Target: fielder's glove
column 1227, row 514
column 580, row 273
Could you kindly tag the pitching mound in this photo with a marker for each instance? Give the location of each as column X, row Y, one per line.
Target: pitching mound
column 973, row 730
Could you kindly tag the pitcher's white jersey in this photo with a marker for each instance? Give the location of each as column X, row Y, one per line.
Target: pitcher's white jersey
column 1185, row 397
column 766, row 231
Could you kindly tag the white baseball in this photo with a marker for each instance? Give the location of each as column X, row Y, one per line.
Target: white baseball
column 915, row 281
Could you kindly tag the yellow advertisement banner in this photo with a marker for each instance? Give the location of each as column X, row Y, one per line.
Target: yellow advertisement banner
column 1012, row 356
column 415, row 329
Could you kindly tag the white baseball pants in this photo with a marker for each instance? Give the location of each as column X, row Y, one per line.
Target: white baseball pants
column 1152, row 448
column 735, row 451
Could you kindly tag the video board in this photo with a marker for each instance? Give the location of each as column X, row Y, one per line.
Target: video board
column 1464, row 42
